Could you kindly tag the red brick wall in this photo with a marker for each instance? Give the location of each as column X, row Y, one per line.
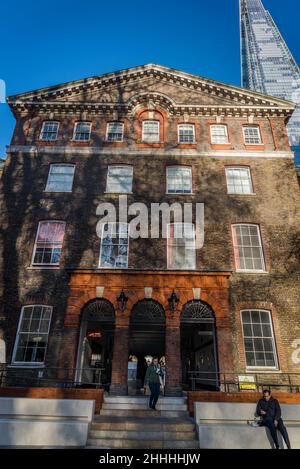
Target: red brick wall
column 243, row 397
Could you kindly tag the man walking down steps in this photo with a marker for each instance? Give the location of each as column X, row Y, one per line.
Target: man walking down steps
column 153, row 378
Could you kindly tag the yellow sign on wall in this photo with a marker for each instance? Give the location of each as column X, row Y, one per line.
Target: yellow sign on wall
column 247, row 383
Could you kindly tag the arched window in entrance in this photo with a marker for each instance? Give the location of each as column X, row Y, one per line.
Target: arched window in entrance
column 198, row 345
column 100, row 310
column 148, row 311
column 146, row 338
column 197, row 311
column 95, row 349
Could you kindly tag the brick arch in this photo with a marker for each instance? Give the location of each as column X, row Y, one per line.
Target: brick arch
column 158, row 99
column 101, row 307
column 77, row 304
column 157, row 307
column 159, row 114
column 198, row 311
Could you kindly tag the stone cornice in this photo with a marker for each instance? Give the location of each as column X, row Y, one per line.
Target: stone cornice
column 64, row 150
column 57, row 97
column 23, row 107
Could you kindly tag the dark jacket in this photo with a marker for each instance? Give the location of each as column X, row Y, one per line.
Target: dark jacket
column 272, row 408
column 152, row 374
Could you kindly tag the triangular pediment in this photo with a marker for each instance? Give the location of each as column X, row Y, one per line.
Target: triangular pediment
column 168, row 87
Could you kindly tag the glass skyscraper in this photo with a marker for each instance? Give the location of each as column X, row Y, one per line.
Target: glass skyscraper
column 267, row 64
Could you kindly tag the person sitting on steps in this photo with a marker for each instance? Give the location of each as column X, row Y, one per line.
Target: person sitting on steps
column 152, row 378
column 268, row 409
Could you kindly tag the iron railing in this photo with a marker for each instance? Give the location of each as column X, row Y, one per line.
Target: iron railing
column 230, row 382
column 88, row 377
column 99, row 377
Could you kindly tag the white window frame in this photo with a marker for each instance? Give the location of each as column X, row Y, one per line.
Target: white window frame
column 240, row 168
column 256, row 127
column 261, row 249
column 51, row 265
column 143, row 131
column 275, row 353
column 42, row 131
column 107, row 178
column 214, row 138
column 75, row 131
column 167, row 179
column 52, row 165
column 15, row 349
column 107, row 132
column 101, row 245
column 169, row 245
column 194, row 134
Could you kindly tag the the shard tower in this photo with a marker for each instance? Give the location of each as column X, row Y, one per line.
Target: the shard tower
column 268, row 66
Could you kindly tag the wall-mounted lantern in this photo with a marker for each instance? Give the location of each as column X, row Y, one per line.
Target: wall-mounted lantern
column 173, row 301
column 122, row 300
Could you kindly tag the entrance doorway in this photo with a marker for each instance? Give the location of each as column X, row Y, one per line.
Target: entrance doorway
column 96, row 340
column 146, row 339
column 198, row 346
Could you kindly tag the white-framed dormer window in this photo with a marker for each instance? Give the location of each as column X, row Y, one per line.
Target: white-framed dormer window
column 248, row 250
column 181, row 246
column 252, row 135
column 239, row 180
column 219, row 134
column 259, row 342
column 115, row 132
column 150, row 131
column 186, row 133
column 32, row 335
column 114, row 246
column 48, row 243
column 82, row 131
column 60, row 178
column 49, row 131
column 119, row 179
column 179, row 180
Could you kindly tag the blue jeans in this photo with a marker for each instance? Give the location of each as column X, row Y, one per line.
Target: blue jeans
column 155, row 390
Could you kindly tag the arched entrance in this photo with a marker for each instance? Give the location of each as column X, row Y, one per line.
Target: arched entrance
column 146, row 338
column 96, row 340
column 198, row 345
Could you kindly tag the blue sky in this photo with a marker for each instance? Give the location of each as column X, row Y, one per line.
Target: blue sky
column 46, row 43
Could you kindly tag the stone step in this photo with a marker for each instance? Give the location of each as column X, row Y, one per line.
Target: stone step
column 144, row 413
column 143, row 424
column 142, row 444
column 145, row 399
column 145, row 434
column 143, row 406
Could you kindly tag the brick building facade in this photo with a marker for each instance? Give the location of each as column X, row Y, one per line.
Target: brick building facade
column 156, row 135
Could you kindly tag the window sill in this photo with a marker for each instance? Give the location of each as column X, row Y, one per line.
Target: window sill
column 117, row 193
column 57, row 192
column 180, row 193
column 43, row 267
column 253, row 194
column 26, row 365
column 264, row 272
column 263, row 370
column 184, row 269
